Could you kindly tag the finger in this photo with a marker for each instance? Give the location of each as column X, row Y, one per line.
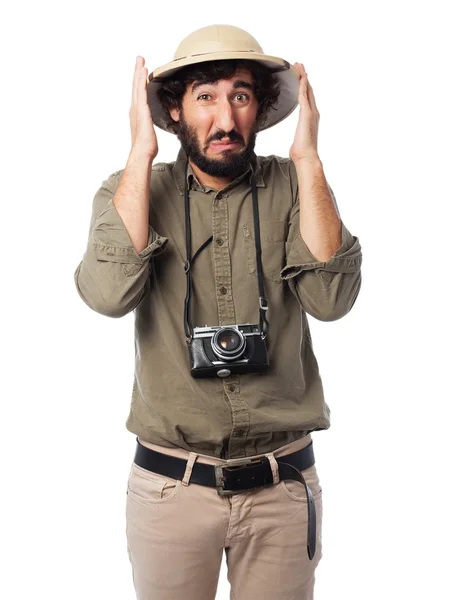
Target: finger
column 138, row 64
column 311, row 95
column 303, row 93
column 142, row 87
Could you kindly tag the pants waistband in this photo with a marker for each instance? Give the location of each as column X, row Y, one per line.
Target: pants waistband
column 213, row 460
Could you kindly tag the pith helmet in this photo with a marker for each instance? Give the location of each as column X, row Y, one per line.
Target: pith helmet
column 222, row 42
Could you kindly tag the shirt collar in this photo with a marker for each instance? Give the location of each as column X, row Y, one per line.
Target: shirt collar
column 180, row 165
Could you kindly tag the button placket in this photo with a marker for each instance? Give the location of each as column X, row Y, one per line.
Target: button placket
column 226, row 312
column 240, row 418
column 222, row 263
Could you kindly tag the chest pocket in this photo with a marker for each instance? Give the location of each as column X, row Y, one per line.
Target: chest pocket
column 273, row 235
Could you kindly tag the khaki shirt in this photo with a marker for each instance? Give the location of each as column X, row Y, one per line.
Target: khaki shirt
column 243, row 414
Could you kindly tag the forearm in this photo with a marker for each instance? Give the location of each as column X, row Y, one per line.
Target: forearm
column 320, row 223
column 132, row 198
column 323, row 258
column 113, row 277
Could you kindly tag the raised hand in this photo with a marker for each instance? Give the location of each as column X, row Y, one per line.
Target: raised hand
column 144, row 138
column 306, row 135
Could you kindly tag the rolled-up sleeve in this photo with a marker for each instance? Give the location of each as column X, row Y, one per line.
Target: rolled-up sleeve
column 326, row 290
column 112, row 278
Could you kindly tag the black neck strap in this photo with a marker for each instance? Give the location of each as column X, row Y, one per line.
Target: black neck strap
column 263, row 301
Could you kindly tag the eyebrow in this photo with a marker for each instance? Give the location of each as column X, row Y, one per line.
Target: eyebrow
column 239, row 83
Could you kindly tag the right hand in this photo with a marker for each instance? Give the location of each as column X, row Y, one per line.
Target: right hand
column 144, row 139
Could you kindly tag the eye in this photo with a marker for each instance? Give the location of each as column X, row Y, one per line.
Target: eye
column 203, row 95
column 242, row 94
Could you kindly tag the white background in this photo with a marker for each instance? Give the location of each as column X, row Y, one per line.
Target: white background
column 391, row 84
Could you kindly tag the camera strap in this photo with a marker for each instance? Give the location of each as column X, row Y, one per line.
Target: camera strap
column 263, row 301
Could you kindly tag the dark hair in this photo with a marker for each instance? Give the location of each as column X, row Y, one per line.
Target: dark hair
column 266, row 86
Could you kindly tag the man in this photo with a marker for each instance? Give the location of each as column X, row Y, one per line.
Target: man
column 219, row 238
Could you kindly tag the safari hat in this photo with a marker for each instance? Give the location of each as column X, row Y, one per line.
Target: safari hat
column 222, row 42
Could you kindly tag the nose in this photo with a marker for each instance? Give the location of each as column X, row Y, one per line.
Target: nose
column 224, row 119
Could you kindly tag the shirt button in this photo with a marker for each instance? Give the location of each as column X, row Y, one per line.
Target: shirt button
column 223, row 290
column 237, row 432
column 219, row 241
column 231, row 387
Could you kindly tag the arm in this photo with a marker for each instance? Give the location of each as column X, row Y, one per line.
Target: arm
column 325, row 284
column 327, row 290
column 113, row 276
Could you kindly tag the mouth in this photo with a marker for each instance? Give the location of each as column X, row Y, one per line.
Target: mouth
column 224, row 145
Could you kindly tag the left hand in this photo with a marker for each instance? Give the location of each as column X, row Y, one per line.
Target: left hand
column 306, row 135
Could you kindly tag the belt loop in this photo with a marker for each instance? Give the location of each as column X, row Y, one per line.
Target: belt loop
column 189, row 468
column 274, row 467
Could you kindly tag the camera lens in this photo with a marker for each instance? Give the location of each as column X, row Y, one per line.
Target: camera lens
column 228, row 340
column 228, row 343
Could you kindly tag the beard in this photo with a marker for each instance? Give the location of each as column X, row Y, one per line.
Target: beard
column 231, row 163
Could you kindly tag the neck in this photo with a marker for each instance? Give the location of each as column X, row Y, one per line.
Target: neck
column 218, row 183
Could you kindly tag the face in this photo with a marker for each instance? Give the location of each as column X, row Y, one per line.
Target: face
column 214, row 114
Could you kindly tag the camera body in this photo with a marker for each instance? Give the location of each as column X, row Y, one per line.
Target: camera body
column 222, row 350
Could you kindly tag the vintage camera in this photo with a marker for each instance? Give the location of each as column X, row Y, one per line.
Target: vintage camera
column 221, row 350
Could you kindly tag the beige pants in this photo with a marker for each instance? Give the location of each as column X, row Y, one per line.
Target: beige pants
column 176, row 534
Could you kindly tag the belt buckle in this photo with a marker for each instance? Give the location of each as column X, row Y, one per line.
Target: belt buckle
column 234, row 464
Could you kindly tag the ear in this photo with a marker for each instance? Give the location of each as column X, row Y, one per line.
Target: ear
column 174, row 114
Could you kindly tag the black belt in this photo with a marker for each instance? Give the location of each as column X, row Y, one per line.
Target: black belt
column 243, row 474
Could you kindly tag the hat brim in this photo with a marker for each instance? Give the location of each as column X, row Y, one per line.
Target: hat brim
column 283, row 71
